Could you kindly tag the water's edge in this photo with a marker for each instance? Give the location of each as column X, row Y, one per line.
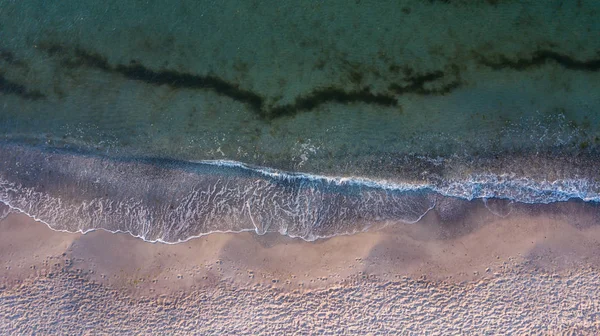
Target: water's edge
column 172, row 201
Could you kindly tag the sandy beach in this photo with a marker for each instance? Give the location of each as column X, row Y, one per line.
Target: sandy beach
column 480, row 274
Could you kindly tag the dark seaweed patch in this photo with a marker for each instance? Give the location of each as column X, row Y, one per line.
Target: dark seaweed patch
column 51, row 48
column 416, row 84
column 540, row 58
column 7, row 56
column 10, row 58
column 183, row 80
column 136, row 71
column 331, row 94
column 89, row 59
column 79, row 57
column 9, row 87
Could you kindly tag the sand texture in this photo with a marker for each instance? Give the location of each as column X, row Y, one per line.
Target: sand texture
column 534, row 274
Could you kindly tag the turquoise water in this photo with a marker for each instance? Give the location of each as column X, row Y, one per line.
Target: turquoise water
column 464, row 99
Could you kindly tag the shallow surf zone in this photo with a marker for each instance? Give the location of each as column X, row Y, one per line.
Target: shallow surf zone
column 172, row 201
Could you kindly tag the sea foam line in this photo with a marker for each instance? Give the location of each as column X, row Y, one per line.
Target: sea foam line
column 476, row 186
column 179, row 241
column 158, row 240
column 482, row 186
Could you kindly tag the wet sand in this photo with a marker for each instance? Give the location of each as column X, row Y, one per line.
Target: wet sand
column 535, row 272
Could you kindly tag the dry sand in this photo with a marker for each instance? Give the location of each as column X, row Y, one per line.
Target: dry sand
column 523, row 274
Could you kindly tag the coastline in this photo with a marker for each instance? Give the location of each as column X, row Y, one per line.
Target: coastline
column 171, row 201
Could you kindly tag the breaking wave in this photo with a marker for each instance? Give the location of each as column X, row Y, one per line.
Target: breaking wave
column 172, row 201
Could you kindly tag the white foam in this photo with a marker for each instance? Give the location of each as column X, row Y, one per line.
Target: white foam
column 307, row 209
column 476, row 186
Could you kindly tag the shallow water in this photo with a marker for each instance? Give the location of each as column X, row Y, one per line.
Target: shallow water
column 472, row 100
column 172, row 201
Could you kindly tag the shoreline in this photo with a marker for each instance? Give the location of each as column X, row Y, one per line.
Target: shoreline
column 470, row 223
column 175, row 201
